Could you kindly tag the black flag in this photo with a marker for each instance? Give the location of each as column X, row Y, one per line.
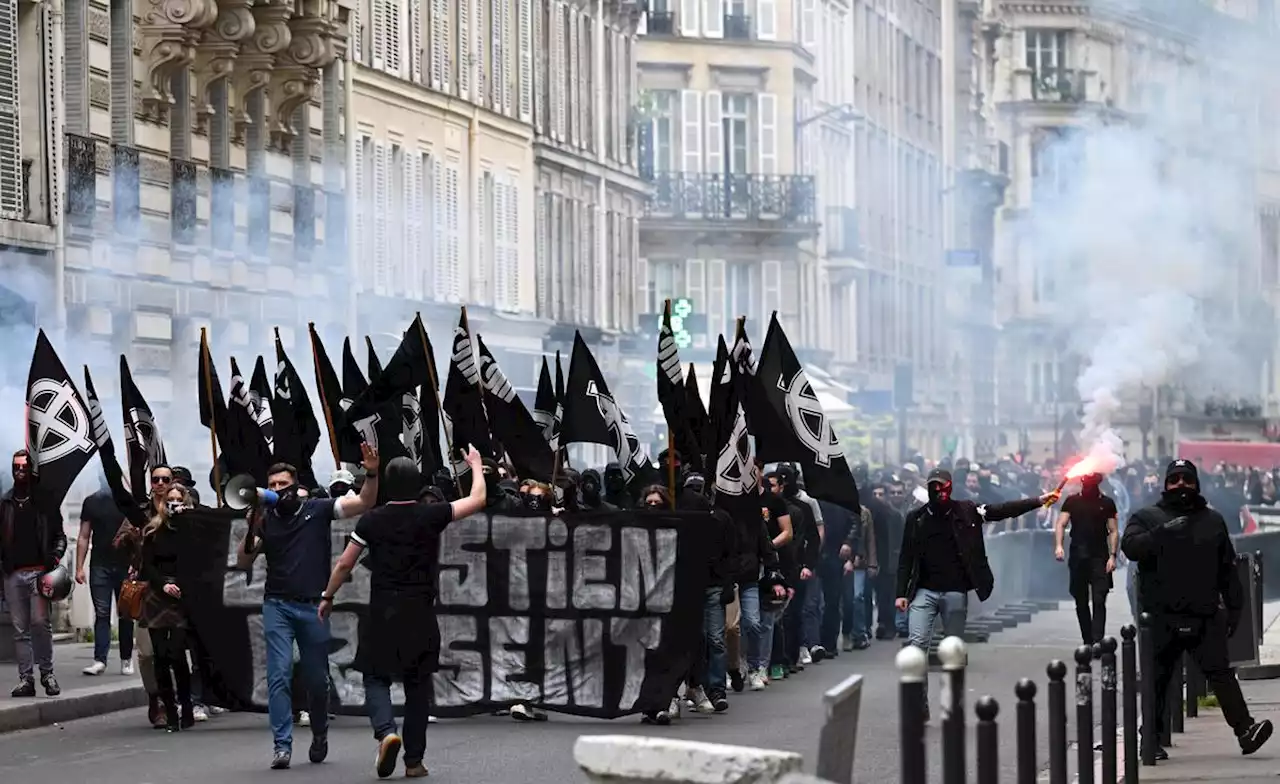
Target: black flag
column 592, row 415
column 213, row 406
column 245, row 449
column 59, row 429
column 512, row 424
column 144, row 448
column 735, row 476
column 671, row 394
column 545, row 407
column 353, row 381
column 375, row 366
column 464, row 419
column 786, row 387
column 297, row 432
column 260, row 396
column 390, row 408
column 334, row 403
column 107, row 454
column 699, row 420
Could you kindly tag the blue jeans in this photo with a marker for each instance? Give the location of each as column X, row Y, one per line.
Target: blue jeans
column 418, row 690
column 856, row 618
column 713, row 629
column 811, row 613
column 283, row 624
column 751, row 626
column 104, row 586
column 32, row 630
column 768, row 620
column 923, row 612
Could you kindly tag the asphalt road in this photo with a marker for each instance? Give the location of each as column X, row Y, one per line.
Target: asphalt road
column 121, row 749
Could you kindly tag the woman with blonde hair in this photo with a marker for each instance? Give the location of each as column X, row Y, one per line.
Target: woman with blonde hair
column 162, row 610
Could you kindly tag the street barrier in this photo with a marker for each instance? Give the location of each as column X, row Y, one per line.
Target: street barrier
column 838, row 740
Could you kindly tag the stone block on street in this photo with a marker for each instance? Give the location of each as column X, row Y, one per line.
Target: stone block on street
column 626, row 759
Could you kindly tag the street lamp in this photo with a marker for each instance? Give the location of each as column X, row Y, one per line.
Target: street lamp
column 843, row 112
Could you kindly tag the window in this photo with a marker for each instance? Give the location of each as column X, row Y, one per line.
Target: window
column 12, row 200
column 664, row 130
column 1055, row 157
column 734, row 124
column 1046, row 52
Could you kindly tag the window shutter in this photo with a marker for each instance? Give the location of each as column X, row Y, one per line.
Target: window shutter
column 715, row 133
column 453, row 260
column 439, row 233
column 558, row 77
column 717, row 319
column 808, row 32
column 12, row 183
column 771, row 274
column 360, row 241
column 484, row 238
column 379, row 37
column 767, row 20
column 525, row 22
column 689, row 18
column 508, row 43
column 641, row 287
column 713, row 19
column 356, row 25
column 767, row 111
column 464, row 50
column 540, row 54
column 691, row 117
column 415, row 41
column 513, row 248
column 695, row 284
column 575, row 77
column 381, row 195
column 408, row 224
column 482, row 72
column 395, row 37
column 498, row 54
column 542, row 251
column 439, row 45
column 417, row 261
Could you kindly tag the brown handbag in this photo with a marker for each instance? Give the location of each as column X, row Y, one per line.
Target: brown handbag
column 132, row 593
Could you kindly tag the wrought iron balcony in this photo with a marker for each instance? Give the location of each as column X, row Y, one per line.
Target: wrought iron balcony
column 82, row 180
column 661, row 23
column 1058, row 85
column 737, row 27
column 787, row 198
column 126, row 191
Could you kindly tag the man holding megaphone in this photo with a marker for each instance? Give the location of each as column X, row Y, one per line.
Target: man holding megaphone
column 293, row 533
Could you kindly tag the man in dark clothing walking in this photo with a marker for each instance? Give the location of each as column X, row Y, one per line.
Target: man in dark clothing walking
column 807, row 544
column 1188, row 582
column 1094, row 538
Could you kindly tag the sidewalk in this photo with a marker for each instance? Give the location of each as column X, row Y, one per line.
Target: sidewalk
column 82, row 695
column 1207, row 750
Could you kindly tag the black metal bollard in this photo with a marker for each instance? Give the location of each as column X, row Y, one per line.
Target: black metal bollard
column 1150, row 722
column 1195, row 687
column 1057, row 722
column 1026, row 713
column 1176, row 699
column 1107, row 720
column 913, row 667
column 954, row 655
column 988, row 741
column 1084, row 714
column 1261, row 595
column 1129, row 662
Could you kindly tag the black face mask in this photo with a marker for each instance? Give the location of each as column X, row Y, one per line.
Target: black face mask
column 615, row 483
column 536, row 502
column 1182, row 496
column 591, row 492
column 939, row 495
column 290, row 502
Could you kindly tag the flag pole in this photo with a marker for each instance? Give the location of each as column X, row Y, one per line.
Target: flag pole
column 435, row 392
column 206, row 359
column 671, row 436
column 324, row 401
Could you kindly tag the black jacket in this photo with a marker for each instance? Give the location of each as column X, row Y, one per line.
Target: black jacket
column 52, row 539
column 967, row 519
column 1186, row 562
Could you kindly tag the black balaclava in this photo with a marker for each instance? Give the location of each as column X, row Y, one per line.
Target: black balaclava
column 787, row 476
column 432, row 494
column 939, row 487
column 442, row 478
column 615, row 484
column 695, row 483
column 1091, row 485
column 401, row 480
column 1185, row 497
column 537, row 502
column 591, row 485
column 289, row 501
column 492, row 480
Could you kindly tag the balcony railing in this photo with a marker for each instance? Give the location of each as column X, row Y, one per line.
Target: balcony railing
column 82, row 180
column 661, row 23
column 1059, row 85
column 182, row 202
column 126, row 193
column 737, row 27
column 715, row 197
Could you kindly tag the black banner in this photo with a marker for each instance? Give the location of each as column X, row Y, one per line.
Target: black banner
column 594, row 614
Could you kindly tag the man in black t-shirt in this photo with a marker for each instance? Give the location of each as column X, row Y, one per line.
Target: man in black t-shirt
column 399, row 639
column 100, row 520
column 1094, row 538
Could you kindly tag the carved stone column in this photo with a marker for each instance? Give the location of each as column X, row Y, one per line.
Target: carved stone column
column 216, row 55
column 169, row 31
column 297, row 74
column 257, row 58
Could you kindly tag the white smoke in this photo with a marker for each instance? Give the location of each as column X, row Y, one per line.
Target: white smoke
column 1151, row 238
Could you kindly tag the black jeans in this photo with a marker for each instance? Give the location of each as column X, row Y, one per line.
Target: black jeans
column 169, row 647
column 418, row 690
column 1205, row 639
column 1089, row 585
column 793, row 624
column 831, row 573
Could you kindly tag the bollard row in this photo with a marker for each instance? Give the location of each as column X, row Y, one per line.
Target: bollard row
column 1119, row 692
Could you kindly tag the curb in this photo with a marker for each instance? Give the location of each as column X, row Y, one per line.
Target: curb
column 81, row 704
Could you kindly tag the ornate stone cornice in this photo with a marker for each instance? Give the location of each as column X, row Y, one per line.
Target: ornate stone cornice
column 169, row 32
column 298, row 69
column 217, row 51
column 257, row 58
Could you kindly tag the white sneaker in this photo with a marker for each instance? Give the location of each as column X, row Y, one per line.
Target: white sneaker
column 126, row 667
column 756, row 680
column 432, row 720
column 97, row 668
column 674, row 710
column 214, row 710
column 304, row 719
column 805, row 658
column 199, row 713
column 700, row 702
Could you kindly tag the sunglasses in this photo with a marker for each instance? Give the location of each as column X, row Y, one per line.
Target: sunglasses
column 161, row 480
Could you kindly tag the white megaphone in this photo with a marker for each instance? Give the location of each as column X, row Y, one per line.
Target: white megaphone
column 242, row 492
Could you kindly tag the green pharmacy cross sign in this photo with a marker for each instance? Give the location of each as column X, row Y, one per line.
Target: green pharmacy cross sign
column 681, row 309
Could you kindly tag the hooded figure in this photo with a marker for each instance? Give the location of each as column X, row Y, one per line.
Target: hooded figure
column 615, row 486
column 401, row 480
column 592, row 487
